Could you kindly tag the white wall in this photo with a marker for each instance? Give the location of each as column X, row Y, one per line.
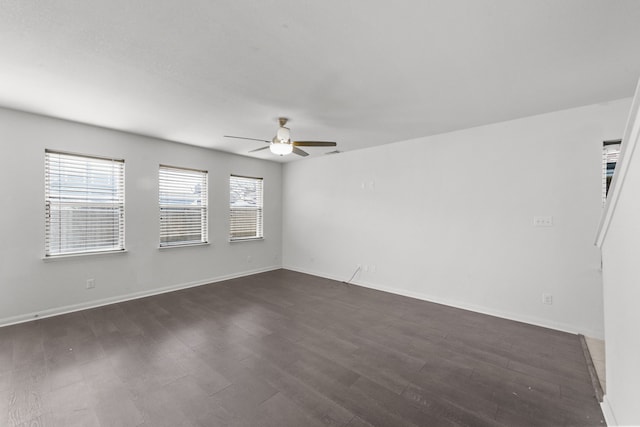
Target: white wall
column 29, row 285
column 448, row 218
column 620, row 242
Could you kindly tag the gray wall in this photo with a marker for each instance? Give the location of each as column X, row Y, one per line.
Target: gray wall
column 449, row 218
column 620, row 242
column 30, row 285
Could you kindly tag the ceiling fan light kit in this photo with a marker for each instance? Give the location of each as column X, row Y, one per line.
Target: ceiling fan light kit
column 281, row 144
column 280, row 148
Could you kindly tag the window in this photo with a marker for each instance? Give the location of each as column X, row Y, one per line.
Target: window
column 84, row 204
column 183, row 206
column 245, row 208
column 610, row 154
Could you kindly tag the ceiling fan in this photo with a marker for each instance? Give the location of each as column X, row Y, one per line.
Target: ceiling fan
column 281, row 144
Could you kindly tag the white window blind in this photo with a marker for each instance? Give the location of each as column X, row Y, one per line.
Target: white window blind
column 610, row 154
column 84, row 204
column 183, row 206
column 245, row 208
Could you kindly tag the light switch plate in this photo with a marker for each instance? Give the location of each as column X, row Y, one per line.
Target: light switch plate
column 543, row 221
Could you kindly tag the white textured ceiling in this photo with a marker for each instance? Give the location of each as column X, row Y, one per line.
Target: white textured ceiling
column 360, row 72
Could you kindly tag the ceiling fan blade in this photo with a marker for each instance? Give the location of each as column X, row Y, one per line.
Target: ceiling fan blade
column 250, row 139
column 300, row 152
column 259, row 149
column 314, row 144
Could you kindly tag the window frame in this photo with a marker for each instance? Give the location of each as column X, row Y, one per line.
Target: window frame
column 203, row 208
column 259, row 228
column 62, row 201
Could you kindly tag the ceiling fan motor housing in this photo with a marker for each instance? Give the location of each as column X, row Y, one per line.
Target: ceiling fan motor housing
column 283, row 135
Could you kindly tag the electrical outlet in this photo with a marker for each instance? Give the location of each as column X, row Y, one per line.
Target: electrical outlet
column 543, row 221
column 547, row 299
column 368, row 185
column 249, row 259
column 91, row 283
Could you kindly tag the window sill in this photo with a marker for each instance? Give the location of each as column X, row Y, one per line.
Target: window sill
column 248, row 239
column 189, row 245
column 81, row 255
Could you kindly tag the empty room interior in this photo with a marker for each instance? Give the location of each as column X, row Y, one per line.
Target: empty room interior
column 294, row 213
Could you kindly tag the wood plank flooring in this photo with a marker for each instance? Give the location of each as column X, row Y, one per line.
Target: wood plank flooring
column 288, row 349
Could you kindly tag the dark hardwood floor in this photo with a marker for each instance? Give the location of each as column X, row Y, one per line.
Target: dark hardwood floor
column 288, row 349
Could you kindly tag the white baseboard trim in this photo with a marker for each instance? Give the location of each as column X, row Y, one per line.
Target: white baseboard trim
column 458, row 304
column 127, row 297
column 607, row 411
